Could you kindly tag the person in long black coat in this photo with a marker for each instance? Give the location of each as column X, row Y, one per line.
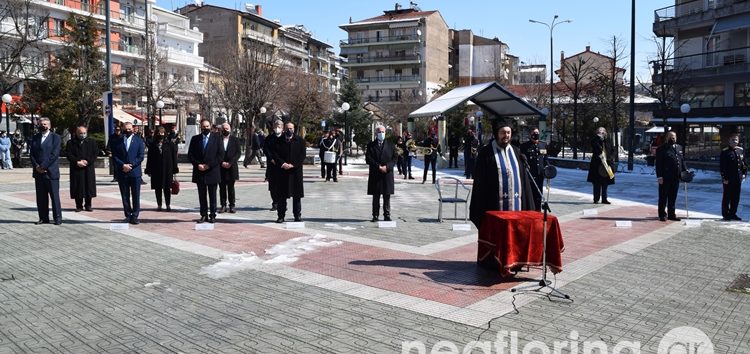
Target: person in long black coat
column 289, row 154
column 380, row 156
column 230, row 172
column 272, row 169
column 161, row 166
column 82, row 153
column 669, row 166
column 597, row 174
column 205, row 153
column 485, row 195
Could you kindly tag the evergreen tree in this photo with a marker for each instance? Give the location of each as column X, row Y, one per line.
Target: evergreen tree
column 357, row 119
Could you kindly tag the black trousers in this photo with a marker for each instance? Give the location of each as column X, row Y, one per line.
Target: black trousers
column 400, row 165
column 226, row 191
column 539, row 181
column 730, row 199
column 47, row 189
column 386, row 205
column 668, row 197
column 469, row 165
column 83, row 202
column 600, row 190
column 453, row 157
column 322, row 167
column 427, row 162
column 167, row 195
column 330, row 171
column 206, row 195
column 296, row 207
column 407, row 166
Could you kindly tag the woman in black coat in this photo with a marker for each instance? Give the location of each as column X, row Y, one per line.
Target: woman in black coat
column 161, row 166
column 598, row 175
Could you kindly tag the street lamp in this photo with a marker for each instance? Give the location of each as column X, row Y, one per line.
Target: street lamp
column 160, row 105
column 6, row 99
column 685, row 109
column 551, row 27
column 345, row 107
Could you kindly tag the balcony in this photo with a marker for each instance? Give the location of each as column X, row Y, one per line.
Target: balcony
column 391, row 60
column 710, row 64
column 180, row 57
column 172, row 30
column 405, row 38
column 386, row 79
column 94, row 8
column 260, row 37
column 695, row 14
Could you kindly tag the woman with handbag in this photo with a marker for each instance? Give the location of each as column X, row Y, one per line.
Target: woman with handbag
column 161, row 166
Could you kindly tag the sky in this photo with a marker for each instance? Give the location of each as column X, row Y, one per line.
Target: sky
column 594, row 22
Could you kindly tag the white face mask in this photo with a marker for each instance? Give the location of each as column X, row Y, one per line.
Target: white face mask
column 381, row 136
column 277, row 130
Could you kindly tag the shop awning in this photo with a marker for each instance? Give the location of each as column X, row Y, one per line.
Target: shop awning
column 125, row 117
column 490, row 96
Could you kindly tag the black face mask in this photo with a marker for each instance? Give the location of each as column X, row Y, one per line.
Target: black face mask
column 671, row 141
column 289, row 133
column 128, row 133
column 159, row 137
column 535, row 136
column 44, row 129
column 206, row 131
column 225, row 133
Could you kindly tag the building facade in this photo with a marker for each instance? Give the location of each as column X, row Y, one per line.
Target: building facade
column 476, row 59
column 400, row 55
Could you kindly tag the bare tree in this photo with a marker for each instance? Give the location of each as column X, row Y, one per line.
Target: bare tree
column 249, row 80
column 609, row 87
column 666, row 72
column 22, row 30
column 576, row 75
column 306, row 96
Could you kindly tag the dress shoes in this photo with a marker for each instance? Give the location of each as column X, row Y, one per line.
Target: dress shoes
column 674, row 218
column 279, row 220
column 231, row 210
column 134, row 221
column 387, row 218
column 202, row 219
column 168, row 208
column 374, row 219
column 39, row 222
column 88, row 208
column 596, row 202
column 78, row 210
column 211, row 220
column 606, row 202
column 410, row 177
column 222, row 209
column 273, row 208
column 297, row 218
column 158, row 208
column 735, row 218
column 58, row 222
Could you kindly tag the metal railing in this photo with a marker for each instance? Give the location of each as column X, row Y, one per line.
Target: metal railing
column 689, row 8
column 383, row 59
column 395, row 78
column 382, row 39
column 713, row 59
column 168, row 28
column 178, row 55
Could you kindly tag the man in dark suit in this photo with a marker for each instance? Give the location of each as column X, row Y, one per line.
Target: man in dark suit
column 471, row 148
column 669, row 166
column 733, row 170
column 205, row 153
column 490, row 191
column 229, row 167
column 45, row 152
column 82, row 152
column 289, row 154
column 127, row 153
column 381, row 156
column 431, row 142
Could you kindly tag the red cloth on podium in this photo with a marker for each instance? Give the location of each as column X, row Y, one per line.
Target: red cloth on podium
column 514, row 239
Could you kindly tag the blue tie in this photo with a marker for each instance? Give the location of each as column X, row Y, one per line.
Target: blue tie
column 205, row 142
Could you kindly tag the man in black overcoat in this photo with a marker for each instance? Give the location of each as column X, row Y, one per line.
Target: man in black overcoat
column 289, row 154
column 669, row 166
column 380, row 156
column 229, row 167
column 82, row 152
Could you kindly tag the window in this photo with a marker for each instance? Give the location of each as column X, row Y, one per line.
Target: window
column 742, row 94
column 711, row 45
column 415, row 71
column 397, row 73
column 704, row 96
column 85, row 5
column 400, row 53
column 59, row 27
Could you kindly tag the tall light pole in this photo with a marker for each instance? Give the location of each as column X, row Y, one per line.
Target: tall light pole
column 685, row 109
column 345, row 107
column 159, row 105
column 551, row 27
column 6, row 99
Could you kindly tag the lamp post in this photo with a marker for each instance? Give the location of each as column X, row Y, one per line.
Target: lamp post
column 345, row 107
column 6, row 99
column 564, row 119
column 479, row 115
column 551, row 27
column 160, row 105
column 685, row 109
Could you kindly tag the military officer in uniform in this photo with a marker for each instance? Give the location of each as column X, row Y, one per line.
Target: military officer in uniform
column 533, row 149
column 669, row 166
column 733, row 171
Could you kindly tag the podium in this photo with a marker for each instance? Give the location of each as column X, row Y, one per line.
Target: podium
column 513, row 239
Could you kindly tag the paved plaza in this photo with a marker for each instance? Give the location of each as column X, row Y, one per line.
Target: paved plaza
column 344, row 285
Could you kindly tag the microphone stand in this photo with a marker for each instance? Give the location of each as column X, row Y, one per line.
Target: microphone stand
column 543, row 283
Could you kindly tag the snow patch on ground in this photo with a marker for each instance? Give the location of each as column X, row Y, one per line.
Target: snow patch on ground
column 339, row 227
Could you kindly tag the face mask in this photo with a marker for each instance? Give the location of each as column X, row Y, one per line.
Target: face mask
column 128, row 133
column 289, row 133
column 671, row 141
column 277, row 130
column 206, row 131
column 225, row 133
column 44, row 128
column 82, row 136
column 534, row 136
column 381, row 136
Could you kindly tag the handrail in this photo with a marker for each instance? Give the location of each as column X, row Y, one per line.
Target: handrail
column 710, row 59
column 366, row 79
column 383, row 59
column 688, row 8
column 402, row 37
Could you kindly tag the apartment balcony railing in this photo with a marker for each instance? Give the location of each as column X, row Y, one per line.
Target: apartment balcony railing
column 701, row 12
column 721, row 62
column 377, row 79
column 188, row 58
column 384, row 59
column 168, row 28
column 384, row 99
column 260, row 37
column 97, row 8
column 381, row 39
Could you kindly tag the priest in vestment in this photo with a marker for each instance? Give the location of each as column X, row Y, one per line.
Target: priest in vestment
column 500, row 177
